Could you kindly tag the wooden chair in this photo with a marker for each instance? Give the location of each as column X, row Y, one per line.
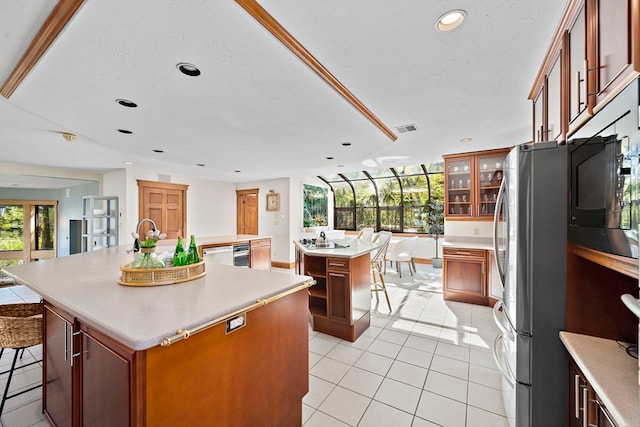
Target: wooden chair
column 384, row 237
column 403, row 251
column 20, row 327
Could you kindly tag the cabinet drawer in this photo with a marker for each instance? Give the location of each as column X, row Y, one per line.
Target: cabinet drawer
column 339, row 264
column 260, row 242
column 471, row 253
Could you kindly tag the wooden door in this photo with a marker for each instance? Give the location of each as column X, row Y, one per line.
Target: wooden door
column 247, row 211
column 166, row 205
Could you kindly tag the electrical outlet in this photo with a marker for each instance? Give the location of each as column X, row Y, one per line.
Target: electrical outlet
column 476, row 231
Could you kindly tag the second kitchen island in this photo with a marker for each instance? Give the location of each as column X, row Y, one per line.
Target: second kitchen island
column 340, row 301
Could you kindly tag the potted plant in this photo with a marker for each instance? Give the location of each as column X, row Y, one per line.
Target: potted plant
column 436, row 228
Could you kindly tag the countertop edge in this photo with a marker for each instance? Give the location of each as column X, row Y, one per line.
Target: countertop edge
column 611, row 372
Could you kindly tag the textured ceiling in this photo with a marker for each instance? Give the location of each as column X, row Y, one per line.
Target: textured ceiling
column 256, row 107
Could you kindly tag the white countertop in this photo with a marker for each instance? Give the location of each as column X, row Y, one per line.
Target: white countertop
column 210, row 240
column 468, row 243
column 86, row 286
column 612, row 373
column 355, row 248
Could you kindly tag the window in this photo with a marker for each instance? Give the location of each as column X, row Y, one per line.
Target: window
column 27, row 231
column 393, row 199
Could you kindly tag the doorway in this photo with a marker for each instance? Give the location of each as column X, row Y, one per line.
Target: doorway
column 166, row 205
column 247, row 211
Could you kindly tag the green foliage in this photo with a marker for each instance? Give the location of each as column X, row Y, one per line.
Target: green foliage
column 11, row 228
column 316, row 206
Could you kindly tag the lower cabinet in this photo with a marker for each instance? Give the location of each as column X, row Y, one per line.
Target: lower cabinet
column 340, row 301
column 585, row 408
column 261, row 254
column 87, row 377
column 464, row 275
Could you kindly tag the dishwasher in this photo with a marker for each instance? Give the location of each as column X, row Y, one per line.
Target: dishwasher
column 218, row 255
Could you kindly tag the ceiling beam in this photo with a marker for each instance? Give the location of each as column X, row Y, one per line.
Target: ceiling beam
column 55, row 23
column 274, row 27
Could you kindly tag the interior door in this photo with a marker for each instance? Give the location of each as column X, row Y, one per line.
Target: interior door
column 247, row 211
column 166, row 205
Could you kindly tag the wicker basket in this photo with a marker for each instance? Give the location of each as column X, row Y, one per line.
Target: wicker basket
column 20, row 325
column 160, row 276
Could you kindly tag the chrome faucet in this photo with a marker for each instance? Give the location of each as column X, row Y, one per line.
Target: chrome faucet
column 136, row 242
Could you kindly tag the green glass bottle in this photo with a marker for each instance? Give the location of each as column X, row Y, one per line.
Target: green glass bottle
column 179, row 256
column 192, row 255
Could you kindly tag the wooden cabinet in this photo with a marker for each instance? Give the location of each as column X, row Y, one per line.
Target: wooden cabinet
column 593, row 56
column 261, row 254
column 472, row 181
column 585, row 407
column 87, row 381
column 464, row 276
column 340, row 301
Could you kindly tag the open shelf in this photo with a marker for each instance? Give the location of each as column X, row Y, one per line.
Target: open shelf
column 624, row 265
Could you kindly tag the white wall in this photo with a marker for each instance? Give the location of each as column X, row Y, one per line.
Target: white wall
column 481, row 229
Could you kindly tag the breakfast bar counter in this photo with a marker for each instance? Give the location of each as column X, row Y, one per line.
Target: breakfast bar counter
column 229, row 348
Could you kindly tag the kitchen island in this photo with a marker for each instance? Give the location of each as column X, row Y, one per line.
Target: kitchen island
column 340, row 301
column 230, row 348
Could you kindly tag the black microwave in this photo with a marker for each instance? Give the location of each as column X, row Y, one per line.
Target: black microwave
column 603, row 199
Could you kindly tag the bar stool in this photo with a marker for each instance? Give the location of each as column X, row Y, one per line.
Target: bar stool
column 20, row 327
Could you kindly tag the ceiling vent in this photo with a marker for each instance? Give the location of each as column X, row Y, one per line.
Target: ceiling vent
column 406, row 128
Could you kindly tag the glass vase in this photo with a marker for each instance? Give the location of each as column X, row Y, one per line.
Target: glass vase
column 147, row 259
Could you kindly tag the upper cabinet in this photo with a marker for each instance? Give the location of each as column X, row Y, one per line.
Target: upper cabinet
column 594, row 54
column 472, row 184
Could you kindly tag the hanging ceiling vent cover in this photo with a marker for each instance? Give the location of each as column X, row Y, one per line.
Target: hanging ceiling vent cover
column 406, row 128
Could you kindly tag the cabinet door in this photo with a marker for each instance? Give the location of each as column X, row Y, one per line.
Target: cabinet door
column 614, row 44
column 538, row 116
column 105, row 385
column 339, row 295
column 58, row 370
column 261, row 254
column 489, row 177
column 464, row 277
column 554, row 129
column 458, row 187
column 578, row 70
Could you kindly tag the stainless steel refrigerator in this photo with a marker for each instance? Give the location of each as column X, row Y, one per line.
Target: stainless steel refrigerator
column 530, row 234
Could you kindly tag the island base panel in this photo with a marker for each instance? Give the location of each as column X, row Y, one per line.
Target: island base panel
column 341, row 330
column 255, row 375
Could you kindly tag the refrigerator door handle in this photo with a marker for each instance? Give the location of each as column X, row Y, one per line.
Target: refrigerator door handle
column 505, row 331
column 497, row 356
column 496, row 220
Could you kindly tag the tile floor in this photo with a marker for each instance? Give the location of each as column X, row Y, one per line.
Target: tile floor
column 427, row 363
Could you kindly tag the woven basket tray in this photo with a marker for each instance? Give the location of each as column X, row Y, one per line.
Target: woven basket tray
column 160, row 276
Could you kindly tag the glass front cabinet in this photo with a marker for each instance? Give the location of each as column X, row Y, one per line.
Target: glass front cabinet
column 472, row 184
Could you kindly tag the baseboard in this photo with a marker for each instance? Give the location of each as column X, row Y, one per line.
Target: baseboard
column 288, row 265
column 422, row 260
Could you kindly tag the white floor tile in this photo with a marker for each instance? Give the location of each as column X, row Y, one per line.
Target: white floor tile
column 485, row 376
column 321, row 346
column 446, row 365
column 446, row 385
column 380, row 415
column 408, row 373
column 478, row 418
column 345, row 405
column 415, row 357
column 441, row 410
column 448, row 349
column 319, row 389
column 393, row 336
column 374, row 363
column 345, row 354
column 482, row 358
column 319, row 419
column 330, row 370
column 486, row 398
column 398, row 395
column 421, row 343
column 361, row 381
column 384, row 348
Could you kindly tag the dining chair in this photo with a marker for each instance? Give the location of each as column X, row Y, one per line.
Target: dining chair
column 403, row 251
column 20, row 327
column 384, row 237
column 366, row 234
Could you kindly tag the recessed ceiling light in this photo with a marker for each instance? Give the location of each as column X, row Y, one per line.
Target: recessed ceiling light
column 407, row 128
column 329, row 158
column 126, row 103
column 128, row 132
column 200, row 164
column 346, row 144
column 158, row 151
column 466, row 140
column 237, row 171
column 188, row 69
column 451, row 20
